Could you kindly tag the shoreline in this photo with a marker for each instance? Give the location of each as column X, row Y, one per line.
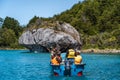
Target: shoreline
column 12, row 49
column 101, row 51
column 82, row 50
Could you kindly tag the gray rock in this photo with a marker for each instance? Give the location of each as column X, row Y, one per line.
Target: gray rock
column 63, row 36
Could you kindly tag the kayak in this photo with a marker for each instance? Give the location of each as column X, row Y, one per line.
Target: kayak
column 68, row 68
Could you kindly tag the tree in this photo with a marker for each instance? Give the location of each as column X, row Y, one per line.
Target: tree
column 32, row 21
column 1, row 38
column 11, row 23
column 1, row 22
column 8, row 37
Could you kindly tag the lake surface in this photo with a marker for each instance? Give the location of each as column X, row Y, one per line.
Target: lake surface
column 21, row 65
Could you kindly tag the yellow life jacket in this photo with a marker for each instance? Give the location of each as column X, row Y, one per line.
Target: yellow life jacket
column 71, row 53
column 78, row 59
column 54, row 61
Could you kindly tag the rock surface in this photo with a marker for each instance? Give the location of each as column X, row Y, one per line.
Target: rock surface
column 63, row 36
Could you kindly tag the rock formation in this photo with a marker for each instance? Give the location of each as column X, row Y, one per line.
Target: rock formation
column 62, row 36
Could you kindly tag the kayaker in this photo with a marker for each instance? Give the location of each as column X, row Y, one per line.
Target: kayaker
column 56, row 60
column 70, row 53
column 78, row 58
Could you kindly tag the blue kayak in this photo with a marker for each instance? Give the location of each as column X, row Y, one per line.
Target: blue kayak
column 68, row 68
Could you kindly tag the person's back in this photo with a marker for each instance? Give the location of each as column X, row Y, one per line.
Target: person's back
column 78, row 58
column 54, row 61
column 59, row 58
column 70, row 53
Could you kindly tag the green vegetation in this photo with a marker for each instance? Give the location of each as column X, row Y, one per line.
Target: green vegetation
column 9, row 33
column 97, row 21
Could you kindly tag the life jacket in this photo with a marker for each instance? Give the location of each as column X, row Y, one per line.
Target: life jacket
column 78, row 59
column 59, row 59
column 54, row 61
column 71, row 53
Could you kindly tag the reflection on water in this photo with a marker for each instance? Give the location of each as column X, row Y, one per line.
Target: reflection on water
column 21, row 65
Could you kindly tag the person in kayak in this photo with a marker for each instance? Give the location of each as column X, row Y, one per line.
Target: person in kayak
column 78, row 57
column 70, row 53
column 56, row 60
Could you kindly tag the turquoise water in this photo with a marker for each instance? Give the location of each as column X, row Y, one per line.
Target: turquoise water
column 21, row 65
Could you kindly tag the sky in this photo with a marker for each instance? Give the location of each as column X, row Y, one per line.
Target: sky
column 24, row 10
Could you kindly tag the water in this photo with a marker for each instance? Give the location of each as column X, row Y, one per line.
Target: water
column 21, row 65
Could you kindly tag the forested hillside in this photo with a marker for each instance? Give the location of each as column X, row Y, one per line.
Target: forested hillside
column 98, row 22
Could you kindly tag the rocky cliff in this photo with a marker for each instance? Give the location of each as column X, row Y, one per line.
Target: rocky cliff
column 62, row 36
